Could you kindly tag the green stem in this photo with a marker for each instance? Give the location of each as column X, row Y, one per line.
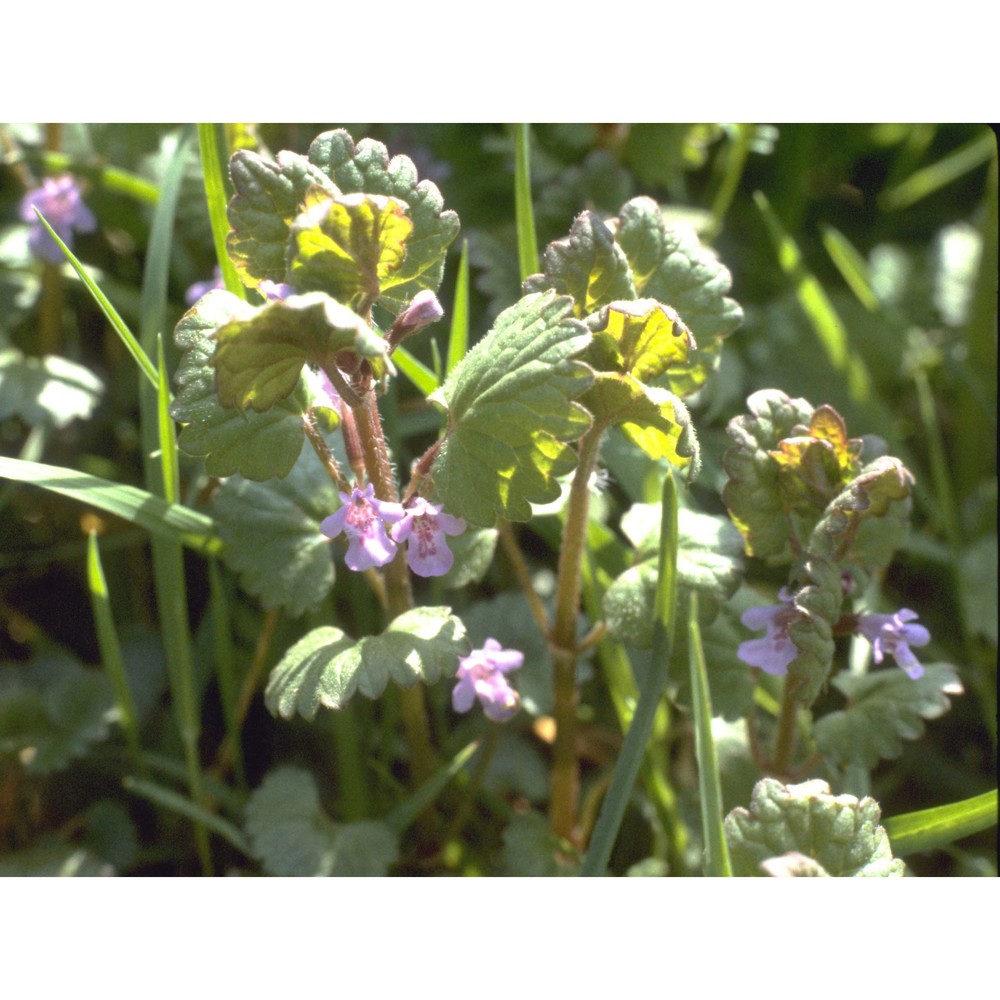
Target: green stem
column 565, row 792
column 399, row 592
column 784, row 741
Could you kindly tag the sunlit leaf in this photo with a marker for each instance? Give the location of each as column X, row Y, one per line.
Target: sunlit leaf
column 259, row 446
column 838, row 832
column 50, row 390
column 326, row 667
column 510, row 412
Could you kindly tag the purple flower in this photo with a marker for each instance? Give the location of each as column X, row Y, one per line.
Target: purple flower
column 274, row 291
column 481, row 675
column 200, row 288
column 775, row 650
column 363, row 518
column 59, row 200
column 423, row 528
column 422, row 310
column 889, row 634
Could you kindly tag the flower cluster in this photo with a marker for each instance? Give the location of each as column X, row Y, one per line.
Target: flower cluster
column 889, row 635
column 60, row 201
column 421, row 526
column 482, row 675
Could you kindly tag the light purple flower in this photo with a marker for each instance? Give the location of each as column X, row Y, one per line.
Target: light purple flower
column 890, row 635
column 775, row 650
column 200, row 288
column 423, row 528
column 363, row 518
column 60, row 201
column 422, row 310
column 481, row 675
column 274, row 291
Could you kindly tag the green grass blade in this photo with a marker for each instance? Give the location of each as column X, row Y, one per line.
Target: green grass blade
column 828, row 326
column 458, row 340
column 716, row 850
column 169, row 462
column 225, row 666
column 416, row 371
column 736, row 157
column 633, row 748
column 168, row 557
column 852, row 266
column 166, row 520
column 938, row 827
column 932, row 178
column 406, row 811
column 112, row 179
column 110, row 648
column 117, row 323
column 212, row 140
column 527, row 243
column 169, row 799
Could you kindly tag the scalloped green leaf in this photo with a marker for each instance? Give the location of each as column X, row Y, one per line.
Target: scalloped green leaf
column 839, row 833
column 643, row 339
column 588, row 265
column 818, row 601
column 653, row 418
column 258, row 446
column 326, row 667
column 753, row 493
column 272, row 537
column 50, row 390
column 473, row 551
column 709, row 560
column 530, row 848
column 884, row 708
column 352, row 247
column 269, row 196
column 53, row 711
column 366, row 168
column 259, row 358
column 669, row 264
column 511, row 412
column 292, row 835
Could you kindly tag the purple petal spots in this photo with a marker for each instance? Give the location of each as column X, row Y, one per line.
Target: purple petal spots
column 481, row 675
column 60, row 201
column 423, row 529
column 775, row 650
column 891, row 636
column 363, row 518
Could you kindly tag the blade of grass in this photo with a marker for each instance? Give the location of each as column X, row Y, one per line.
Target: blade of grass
column 527, row 243
column 110, row 649
column 405, row 812
column 169, row 462
column 158, row 437
column 716, row 850
column 225, row 667
column 828, row 326
column 416, row 371
column 736, row 157
column 199, row 816
column 932, row 828
column 458, row 340
column 167, row 520
column 212, row 141
column 932, row 178
column 852, row 266
column 117, row 323
column 633, row 748
column 110, row 178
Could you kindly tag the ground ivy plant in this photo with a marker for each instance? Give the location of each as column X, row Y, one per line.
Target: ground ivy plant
column 282, row 390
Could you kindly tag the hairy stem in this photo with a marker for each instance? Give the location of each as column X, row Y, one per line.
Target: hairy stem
column 565, row 790
column 784, row 741
column 399, row 592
